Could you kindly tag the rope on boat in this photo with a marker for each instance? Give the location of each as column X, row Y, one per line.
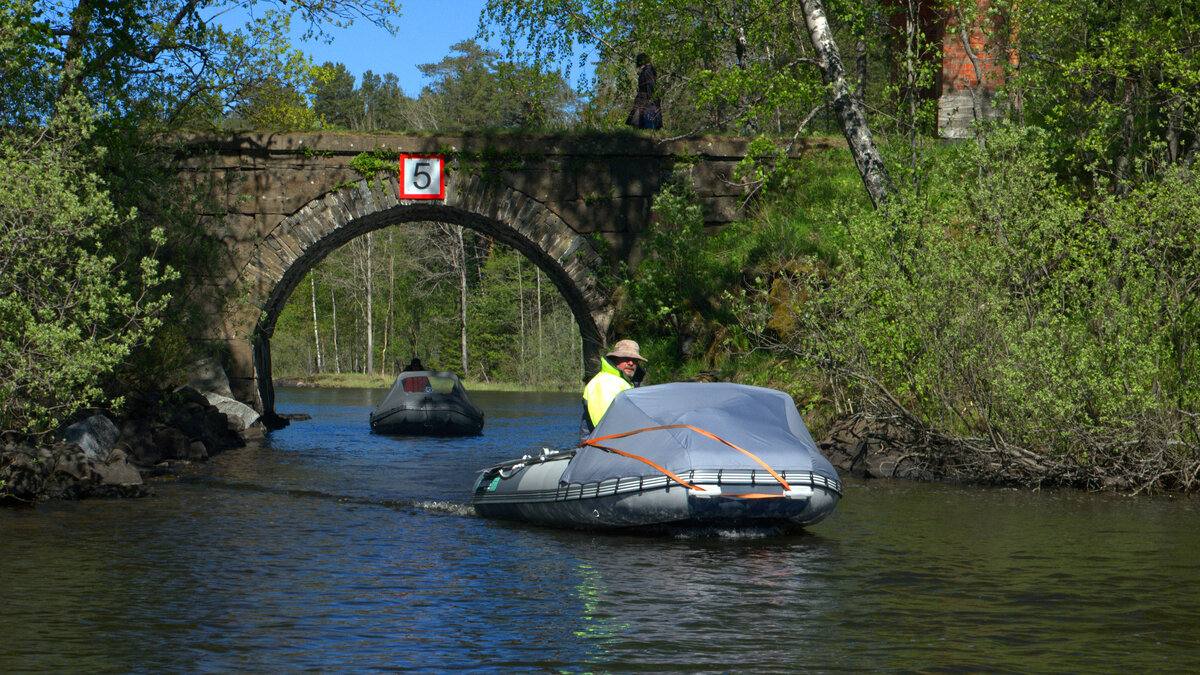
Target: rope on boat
column 595, row 443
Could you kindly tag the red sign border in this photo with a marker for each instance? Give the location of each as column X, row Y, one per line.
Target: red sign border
column 441, row 177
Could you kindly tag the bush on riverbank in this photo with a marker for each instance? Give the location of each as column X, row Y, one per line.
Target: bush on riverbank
column 71, row 310
column 1036, row 336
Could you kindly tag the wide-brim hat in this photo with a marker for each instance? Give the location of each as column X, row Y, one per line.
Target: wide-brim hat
column 626, row 349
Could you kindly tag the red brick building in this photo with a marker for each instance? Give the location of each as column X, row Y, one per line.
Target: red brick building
column 969, row 82
column 970, row 79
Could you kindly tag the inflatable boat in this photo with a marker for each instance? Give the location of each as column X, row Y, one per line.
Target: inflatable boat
column 427, row 403
column 685, row 454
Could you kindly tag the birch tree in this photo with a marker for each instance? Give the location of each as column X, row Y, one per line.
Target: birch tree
column 312, row 282
column 849, row 108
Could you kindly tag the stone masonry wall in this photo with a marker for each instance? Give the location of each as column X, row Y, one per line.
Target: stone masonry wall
column 547, row 195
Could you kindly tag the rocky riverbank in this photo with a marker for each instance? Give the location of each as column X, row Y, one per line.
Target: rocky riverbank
column 113, row 454
column 873, row 447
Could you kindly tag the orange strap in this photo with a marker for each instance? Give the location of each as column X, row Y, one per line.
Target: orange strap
column 745, row 452
column 639, row 458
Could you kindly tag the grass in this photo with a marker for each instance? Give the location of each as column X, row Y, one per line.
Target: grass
column 363, row 381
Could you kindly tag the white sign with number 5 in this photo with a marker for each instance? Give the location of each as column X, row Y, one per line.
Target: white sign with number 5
column 421, row 177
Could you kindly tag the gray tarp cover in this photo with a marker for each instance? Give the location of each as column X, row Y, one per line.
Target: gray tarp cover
column 762, row 421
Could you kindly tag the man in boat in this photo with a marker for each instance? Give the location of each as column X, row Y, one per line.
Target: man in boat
column 620, row 369
column 417, row 383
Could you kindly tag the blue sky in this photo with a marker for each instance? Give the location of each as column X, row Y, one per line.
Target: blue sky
column 427, row 30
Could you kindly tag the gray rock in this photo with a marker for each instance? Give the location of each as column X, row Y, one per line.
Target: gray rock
column 171, row 442
column 137, row 441
column 96, row 435
column 117, row 470
column 197, row 452
column 240, row 415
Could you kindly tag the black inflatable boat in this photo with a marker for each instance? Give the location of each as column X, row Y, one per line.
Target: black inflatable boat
column 427, row 403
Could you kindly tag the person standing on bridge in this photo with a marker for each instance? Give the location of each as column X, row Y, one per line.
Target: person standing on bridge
column 620, row 369
column 647, row 109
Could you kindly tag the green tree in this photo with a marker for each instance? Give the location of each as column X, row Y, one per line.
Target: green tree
column 384, row 105
column 519, row 327
column 1118, row 82
column 473, row 89
column 70, row 312
column 996, row 310
column 720, row 64
column 93, row 217
column 334, row 99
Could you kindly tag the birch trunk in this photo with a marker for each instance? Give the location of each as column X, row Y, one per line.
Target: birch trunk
column 462, row 300
column 521, row 315
column 1121, row 165
column 337, row 358
column 316, row 331
column 850, row 110
column 370, row 279
column 389, row 322
column 537, row 271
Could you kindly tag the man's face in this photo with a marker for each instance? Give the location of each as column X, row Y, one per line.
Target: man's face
column 627, row 366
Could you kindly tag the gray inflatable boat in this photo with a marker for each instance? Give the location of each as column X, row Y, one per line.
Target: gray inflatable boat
column 427, row 403
column 684, row 454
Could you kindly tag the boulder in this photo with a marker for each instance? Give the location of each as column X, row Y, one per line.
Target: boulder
column 209, row 379
column 117, row 470
column 172, row 442
column 197, row 452
column 137, row 442
column 23, row 472
column 155, row 431
column 64, row 471
column 96, row 435
column 241, row 416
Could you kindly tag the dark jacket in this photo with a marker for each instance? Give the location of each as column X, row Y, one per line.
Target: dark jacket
column 647, row 111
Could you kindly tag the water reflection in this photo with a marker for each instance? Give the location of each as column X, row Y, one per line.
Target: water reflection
column 328, row 549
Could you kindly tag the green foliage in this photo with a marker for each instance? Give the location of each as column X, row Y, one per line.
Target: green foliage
column 70, row 312
column 94, row 222
column 993, row 306
column 378, row 103
column 333, row 96
column 807, row 217
column 473, row 89
column 25, row 43
column 693, row 47
column 377, row 161
column 1118, row 83
column 683, row 299
column 673, row 292
column 518, row 330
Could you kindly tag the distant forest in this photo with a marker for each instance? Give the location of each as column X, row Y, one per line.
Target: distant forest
column 447, row 295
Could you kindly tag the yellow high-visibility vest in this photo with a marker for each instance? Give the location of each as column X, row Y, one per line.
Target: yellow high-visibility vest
column 602, row 389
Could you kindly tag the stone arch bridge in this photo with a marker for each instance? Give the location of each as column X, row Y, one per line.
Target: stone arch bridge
column 574, row 204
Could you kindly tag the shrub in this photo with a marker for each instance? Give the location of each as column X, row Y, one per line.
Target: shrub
column 68, row 313
column 997, row 308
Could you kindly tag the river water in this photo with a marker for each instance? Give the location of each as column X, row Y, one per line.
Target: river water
column 327, row 549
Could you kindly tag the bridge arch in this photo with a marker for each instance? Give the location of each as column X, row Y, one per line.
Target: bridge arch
column 299, row 242
column 281, row 202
